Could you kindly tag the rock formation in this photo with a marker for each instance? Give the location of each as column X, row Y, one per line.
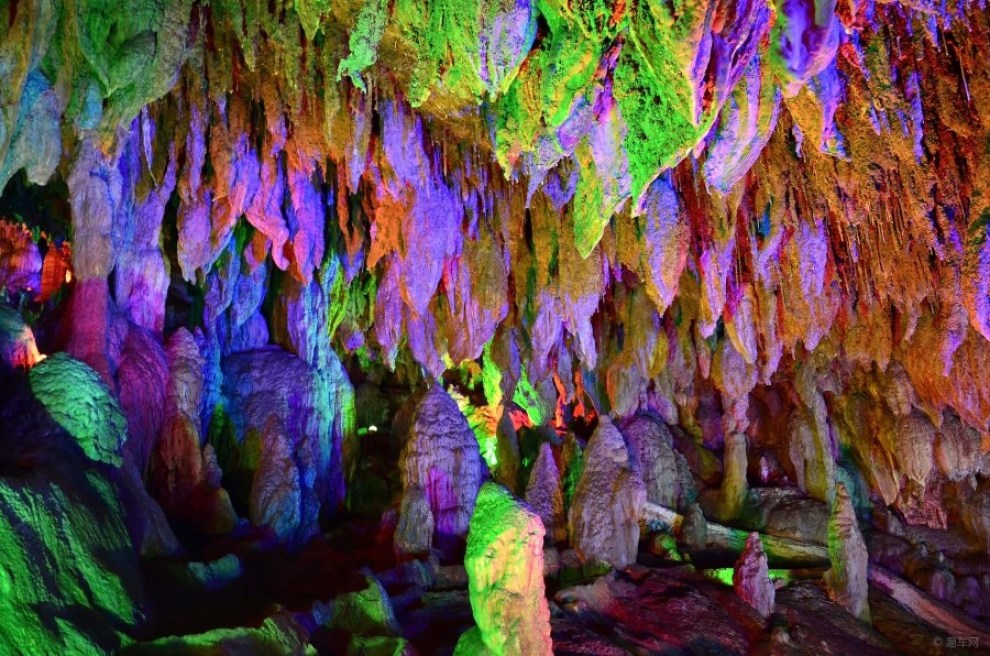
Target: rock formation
column 751, row 578
column 664, row 470
column 847, row 579
column 703, row 258
column 604, row 516
column 79, row 402
column 180, row 476
column 441, row 458
column 414, row 531
column 544, row 494
column 504, row 563
column 18, row 350
column 280, row 419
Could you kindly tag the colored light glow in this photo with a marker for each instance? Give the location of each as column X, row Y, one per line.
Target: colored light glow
column 724, row 575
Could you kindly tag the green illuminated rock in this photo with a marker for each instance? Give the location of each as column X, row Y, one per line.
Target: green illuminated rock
column 366, row 612
column 281, row 634
column 504, row 564
column 69, row 581
column 79, row 402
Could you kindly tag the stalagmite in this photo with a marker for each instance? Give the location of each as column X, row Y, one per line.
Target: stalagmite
column 847, row 579
column 441, row 457
column 544, row 494
column 664, row 470
column 734, row 486
column 604, row 517
column 290, row 282
column 751, row 578
column 504, row 562
column 414, row 532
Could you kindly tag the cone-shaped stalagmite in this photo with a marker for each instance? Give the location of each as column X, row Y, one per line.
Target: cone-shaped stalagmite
column 847, row 581
column 604, row 516
column 544, row 494
column 441, row 457
column 751, row 577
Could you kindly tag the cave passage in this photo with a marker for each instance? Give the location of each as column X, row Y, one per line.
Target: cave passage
column 494, row 327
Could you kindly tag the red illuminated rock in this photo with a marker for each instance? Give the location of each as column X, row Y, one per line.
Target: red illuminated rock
column 751, row 578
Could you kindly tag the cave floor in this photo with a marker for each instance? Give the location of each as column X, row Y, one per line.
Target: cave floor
column 648, row 608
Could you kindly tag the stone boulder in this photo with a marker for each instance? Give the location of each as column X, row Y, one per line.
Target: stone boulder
column 365, row 612
column 604, row 517
column 847, row 581
column 379, row 646
column 751, row 578
column 70, row 580
column 283, row 633
column 79, row 402
column 504, row 565
column 545, row 495
column 441, row 457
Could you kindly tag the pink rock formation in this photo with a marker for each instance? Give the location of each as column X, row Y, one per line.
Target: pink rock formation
column 751, row 578
column 180, row 478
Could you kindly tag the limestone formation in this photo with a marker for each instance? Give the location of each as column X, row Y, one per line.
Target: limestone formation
column 545, row 496
column 78, row 401
column 365, row 612
column 734, row 486
column 766, row 224
column 604, row 516
column 504, row 563
column 276, row 489
column 847, row 581
column 414, row 531
column 18, row 350
column 664, row 470
column 180, row 478
column 441, row 457
column 272, row 394
column 751, row 578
